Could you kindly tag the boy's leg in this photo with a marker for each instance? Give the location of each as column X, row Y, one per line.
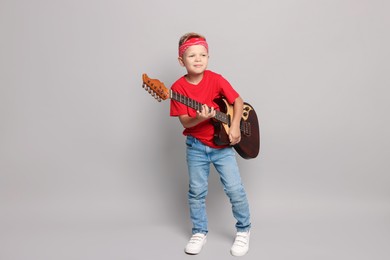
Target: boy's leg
column 226, row 164
column 198, row 170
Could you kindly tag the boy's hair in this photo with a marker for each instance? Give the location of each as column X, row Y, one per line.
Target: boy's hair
column 188, row 36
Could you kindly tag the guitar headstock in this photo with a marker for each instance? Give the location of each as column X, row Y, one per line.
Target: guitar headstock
column 155, row 88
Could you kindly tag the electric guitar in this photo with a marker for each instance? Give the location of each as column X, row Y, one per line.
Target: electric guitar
column 249, row 145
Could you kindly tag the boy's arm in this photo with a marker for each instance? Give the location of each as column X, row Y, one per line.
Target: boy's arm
column 234, row 130
column 201, row 116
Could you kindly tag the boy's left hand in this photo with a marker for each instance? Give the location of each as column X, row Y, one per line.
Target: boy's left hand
column 234, row 135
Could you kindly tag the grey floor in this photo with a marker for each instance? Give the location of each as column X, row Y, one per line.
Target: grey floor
column 355, row 231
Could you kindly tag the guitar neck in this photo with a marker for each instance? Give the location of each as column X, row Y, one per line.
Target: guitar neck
column 222, row 117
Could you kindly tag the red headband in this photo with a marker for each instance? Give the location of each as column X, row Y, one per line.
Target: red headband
column 190, row 42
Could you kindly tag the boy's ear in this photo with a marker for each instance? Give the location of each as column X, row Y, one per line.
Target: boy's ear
column 180, row 59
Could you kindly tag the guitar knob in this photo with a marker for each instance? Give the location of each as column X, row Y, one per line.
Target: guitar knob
column 245, row 113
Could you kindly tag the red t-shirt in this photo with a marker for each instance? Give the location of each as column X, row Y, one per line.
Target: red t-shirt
column 211, row 87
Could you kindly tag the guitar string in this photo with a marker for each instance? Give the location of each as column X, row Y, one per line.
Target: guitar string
column 220, row 116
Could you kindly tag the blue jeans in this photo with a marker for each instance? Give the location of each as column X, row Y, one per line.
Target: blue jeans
column 199, row 158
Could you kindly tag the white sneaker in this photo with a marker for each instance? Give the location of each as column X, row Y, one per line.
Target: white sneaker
column 195, row 244
column 241, row 244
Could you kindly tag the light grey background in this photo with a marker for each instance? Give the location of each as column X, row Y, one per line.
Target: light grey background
column 92, row 167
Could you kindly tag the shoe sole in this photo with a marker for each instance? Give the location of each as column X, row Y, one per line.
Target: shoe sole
column 195, row 252
column 239, row 254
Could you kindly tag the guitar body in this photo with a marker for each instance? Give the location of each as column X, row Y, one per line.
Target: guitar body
column 249, row 145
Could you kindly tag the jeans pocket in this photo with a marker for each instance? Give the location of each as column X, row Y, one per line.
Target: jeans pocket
column 190, row 141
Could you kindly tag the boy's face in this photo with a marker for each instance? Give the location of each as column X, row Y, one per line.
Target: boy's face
column 195, row 59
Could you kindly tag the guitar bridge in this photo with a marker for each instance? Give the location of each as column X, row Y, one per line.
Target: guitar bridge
column 246, row 128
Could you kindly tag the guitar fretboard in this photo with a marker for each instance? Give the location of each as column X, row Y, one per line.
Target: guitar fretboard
column 222, row 117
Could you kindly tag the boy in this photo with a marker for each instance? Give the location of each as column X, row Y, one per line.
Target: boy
column 204, row 86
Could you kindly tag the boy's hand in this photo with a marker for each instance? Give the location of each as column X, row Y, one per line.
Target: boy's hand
column 234, row 135
column 201, row 116
column 205, row 113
